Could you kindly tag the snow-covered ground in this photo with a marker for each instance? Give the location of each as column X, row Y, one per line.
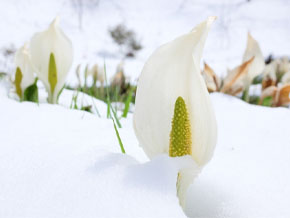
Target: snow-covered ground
column 155, row 22
column 58, row 162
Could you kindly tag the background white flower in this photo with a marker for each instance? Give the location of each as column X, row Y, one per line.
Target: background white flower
column 43, row 44
column 23, row 78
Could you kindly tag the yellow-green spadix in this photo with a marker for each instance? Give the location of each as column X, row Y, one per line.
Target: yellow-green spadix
column 24, row 70
column 173, row 112
column 52, row 55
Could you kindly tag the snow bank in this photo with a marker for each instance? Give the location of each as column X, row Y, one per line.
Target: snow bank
column 249, row 175
column 56, row 162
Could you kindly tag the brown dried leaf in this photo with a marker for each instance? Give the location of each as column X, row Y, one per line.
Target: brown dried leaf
column 283, row 98
column 211, row 79
column 236, row 76
column 267, row 82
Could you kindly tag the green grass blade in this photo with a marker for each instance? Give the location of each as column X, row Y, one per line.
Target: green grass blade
column 76, row 101
column 108, row 95
column 95, row 106
column 59, row 93
column 109, row 105
column 127, row 103
column 119, row 138
column 72, row 100
column 116, row 117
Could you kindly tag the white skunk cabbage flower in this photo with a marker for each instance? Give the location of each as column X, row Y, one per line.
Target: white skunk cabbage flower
column 173, row 112
column 52, row 55
column 258, row 65
column 286, row 78
column 283, row 65
column 24, row 70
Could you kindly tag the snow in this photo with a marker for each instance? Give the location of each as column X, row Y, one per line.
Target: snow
column 249, row 174
column 58, row 162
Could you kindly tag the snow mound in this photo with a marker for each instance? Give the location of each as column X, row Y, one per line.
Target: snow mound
column 56, row 162
column 249, row 175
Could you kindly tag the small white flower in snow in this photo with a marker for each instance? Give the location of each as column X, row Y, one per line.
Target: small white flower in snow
column 173, row 112
column 52, row 55
column 24, row 70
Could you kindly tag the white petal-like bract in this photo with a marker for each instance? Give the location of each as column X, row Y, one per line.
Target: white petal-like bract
column 173, row 71
column 23, row 62
column 43, row 44
column 258, row 65
column 286, row 78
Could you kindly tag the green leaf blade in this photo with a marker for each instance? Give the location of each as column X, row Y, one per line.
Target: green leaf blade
column 119, row 138
column 127, row 103
column 268, row 101
column 31, row 93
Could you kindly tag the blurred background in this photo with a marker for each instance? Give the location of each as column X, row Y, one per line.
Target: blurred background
column 128, row 30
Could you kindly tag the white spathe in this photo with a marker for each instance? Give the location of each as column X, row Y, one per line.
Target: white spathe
column 258, row 65
column 42, row 44
column 23, row 61
column 173, row 70
column 286, row 78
